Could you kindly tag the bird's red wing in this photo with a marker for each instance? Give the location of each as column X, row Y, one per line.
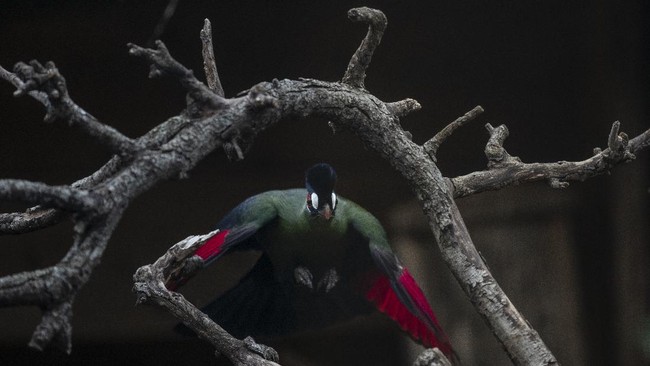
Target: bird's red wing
column 395, row 293
column 213, row 246
column 239, row 238
column 404, row 302
column 236, row 238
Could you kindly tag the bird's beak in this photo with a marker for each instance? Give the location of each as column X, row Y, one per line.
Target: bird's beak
column 326, row 212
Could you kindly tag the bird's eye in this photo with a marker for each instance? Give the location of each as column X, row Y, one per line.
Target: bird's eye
column 334, row 201
column 314, row 200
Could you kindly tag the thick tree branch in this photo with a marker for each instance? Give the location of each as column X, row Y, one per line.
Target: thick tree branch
column 376, row 20
column 150, row 288
column 506, row 170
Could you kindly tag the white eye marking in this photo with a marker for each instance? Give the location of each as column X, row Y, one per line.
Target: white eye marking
column 334, row 201
column 314, row 200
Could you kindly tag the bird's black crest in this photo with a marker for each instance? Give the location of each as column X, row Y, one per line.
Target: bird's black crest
column 321, row 179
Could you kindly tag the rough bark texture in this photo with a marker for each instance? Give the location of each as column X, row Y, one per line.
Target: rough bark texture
column 212, row 121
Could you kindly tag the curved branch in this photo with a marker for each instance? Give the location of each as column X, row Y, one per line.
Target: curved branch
column 376, row 20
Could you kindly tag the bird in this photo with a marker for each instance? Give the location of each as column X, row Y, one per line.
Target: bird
column 325, row 259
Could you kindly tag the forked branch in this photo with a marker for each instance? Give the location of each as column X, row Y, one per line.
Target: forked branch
column 505, row 170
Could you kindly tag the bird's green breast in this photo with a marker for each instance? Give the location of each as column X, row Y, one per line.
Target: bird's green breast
column 299, row 239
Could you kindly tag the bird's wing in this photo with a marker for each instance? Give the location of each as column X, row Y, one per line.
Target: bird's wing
column 392, row 289
column 237, row 228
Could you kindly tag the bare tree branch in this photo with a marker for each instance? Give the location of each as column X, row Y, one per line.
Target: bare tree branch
column 162, row 62
column 376, row 20
column 209, row 64
column 432, row 146
column 505, row 170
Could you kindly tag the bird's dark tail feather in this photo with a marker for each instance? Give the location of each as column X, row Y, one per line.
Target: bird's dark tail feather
column 255, row 307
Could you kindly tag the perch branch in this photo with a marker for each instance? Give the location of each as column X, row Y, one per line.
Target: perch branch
column 209, row 63
column 558, row 174
column 376, row 20
column 150, row 288
column 432, row 146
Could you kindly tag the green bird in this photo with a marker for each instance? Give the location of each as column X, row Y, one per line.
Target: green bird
column 324, row 259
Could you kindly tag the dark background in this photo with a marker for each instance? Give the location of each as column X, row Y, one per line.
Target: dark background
column 557, row 73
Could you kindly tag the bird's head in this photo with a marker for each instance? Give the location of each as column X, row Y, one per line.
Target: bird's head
column 321, row 199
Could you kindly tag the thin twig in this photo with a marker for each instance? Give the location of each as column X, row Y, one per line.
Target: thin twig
column 431, row 147
column 162, row 62
column 209, row 63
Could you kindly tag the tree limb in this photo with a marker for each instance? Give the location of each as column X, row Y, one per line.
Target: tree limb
column 432, row 146
column 505, row 170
